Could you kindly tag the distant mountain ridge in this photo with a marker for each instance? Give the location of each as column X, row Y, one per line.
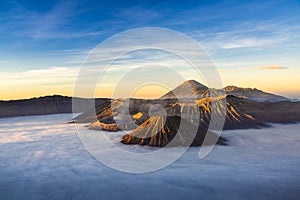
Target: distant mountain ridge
column 55, row 104
column 254, row 94
column 63, row 104
column 194, row 89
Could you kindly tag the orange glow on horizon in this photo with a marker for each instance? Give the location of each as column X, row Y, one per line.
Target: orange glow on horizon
column 281, row 82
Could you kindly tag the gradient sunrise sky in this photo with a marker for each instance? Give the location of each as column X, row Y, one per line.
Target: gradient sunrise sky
column 252, row 43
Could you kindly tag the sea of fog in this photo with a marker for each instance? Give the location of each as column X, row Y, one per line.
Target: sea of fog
column 42, row 157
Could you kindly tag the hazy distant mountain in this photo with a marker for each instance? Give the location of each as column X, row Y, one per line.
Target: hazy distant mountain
column 254, row 94
column 194, row 89
column 55, row 104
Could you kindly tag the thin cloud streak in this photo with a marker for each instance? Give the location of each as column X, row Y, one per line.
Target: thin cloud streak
column 248, row 35
column 271, row 67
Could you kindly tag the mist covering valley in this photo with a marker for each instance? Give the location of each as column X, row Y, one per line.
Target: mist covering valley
column 45, row 153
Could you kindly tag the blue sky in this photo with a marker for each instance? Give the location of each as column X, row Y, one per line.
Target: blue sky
column 245, row 39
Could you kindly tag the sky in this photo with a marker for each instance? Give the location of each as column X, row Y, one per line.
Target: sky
column 44, row 43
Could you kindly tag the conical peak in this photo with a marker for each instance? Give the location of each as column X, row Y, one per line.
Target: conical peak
column 194, row 84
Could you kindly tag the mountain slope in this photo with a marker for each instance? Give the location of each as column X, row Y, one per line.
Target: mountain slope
column 224, row 107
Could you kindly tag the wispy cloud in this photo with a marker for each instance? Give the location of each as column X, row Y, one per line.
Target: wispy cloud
column 137, row 14
column 248, row 35
column 271, row 67
column 53, row 23
column 223, row 71
column 246, row 43
column 39, row 78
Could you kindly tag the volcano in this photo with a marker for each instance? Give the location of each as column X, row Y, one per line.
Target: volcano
column 197, row 111
column 188, row 89
column 171, row 130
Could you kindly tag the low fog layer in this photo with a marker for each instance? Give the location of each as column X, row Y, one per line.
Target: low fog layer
column 42, row 157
